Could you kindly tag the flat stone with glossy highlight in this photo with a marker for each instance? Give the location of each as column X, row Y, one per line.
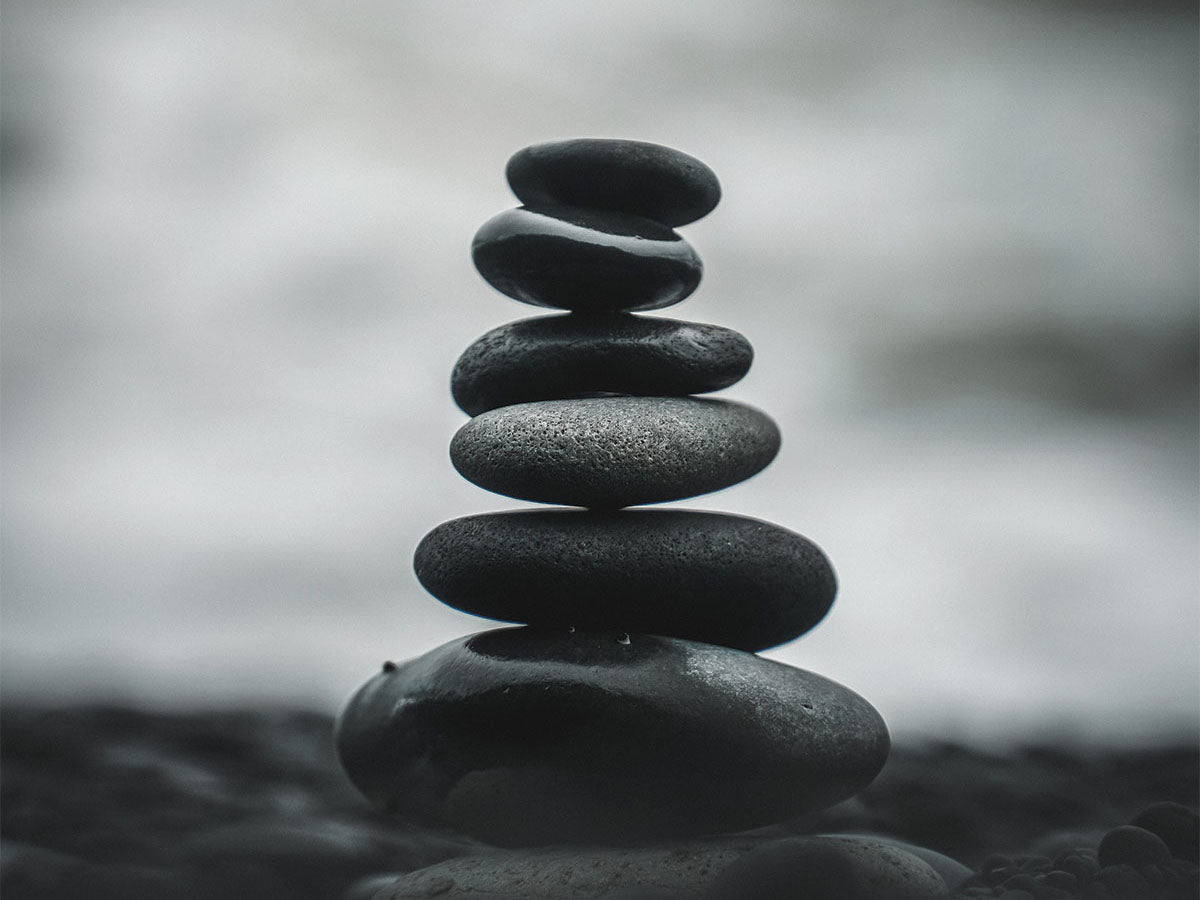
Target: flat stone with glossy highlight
column 705, row 576
column 582, row 259
column 636, row 177
column 554, row 357
column 610, row 452
column 524, row 737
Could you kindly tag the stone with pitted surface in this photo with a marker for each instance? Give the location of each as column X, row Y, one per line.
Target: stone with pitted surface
column 609, row 452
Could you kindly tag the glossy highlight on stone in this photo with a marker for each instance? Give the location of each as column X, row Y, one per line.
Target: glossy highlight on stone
column 628, row 176
column 713, row 577
column 609, row 452
column 527, row 737
column 554, row 357
column 586, row 260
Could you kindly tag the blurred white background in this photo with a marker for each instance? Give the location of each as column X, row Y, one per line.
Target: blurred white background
column 961, row 235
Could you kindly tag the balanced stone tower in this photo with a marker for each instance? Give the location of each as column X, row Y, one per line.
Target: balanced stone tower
column 631, row 705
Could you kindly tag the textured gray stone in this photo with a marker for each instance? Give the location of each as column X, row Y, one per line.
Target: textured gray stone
column 527, row 737
column 631, row 176
column 553, row 357
column 582, row 259
column 804, row 868
column 950, row 870
column 609, row 452
column 687, row 869
column 711, row 577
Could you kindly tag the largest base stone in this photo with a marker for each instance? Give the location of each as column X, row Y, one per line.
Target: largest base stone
column 527, row 737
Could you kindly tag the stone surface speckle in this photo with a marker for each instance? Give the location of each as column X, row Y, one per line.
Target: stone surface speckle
column 610, row 452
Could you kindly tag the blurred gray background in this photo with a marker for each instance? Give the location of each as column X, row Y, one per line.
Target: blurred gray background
column 961, row 235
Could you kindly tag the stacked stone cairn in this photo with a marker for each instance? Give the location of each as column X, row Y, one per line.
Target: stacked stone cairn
column 631, row 705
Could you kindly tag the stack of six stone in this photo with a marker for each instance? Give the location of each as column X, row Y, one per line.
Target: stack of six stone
column 632, row 706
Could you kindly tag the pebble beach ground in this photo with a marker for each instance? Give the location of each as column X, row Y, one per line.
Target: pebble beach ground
column 103, row 802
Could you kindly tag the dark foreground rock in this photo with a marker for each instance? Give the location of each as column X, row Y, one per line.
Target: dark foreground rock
column 533, row 737
column 104, row 802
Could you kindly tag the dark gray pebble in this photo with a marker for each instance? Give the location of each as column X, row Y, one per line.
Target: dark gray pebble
column 525, row 737
column 1022, row 881
column 710, row 577
column 1083, row 867
column 1060, row 879
column 1178, row 826
column 586, row 260
column 555, row 357
column 610, row 452
column 630, row 176
column 1133, row 845
column 1124, row 882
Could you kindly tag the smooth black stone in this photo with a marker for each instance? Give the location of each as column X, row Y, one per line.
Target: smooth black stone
column 647, row 180
column 585, row 260
column 1132, row 845
column 704, row 576
column 554, row 357
column 523, row 737
column 1178, row 826
column 609, row 452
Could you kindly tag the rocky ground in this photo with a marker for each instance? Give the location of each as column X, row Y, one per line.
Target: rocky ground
column 105, row 802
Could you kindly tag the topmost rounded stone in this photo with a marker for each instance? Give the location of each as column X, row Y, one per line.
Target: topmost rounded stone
column 647, row 180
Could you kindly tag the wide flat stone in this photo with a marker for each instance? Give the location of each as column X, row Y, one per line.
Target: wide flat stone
column 526, row 737
column 610, row 452
column 677, row 869
column 554, row 357
column 711, row 577
column 629, row 176
column 581, row 259
column 826, row 867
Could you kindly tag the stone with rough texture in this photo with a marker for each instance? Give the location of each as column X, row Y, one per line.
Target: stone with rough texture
column 712, row 577
column 554, row 357
column 678, row 869
column 629, row 176
column 950, row 870
column 526, row 737
column 803, row 868
column 609, row 452
column 587, row 260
